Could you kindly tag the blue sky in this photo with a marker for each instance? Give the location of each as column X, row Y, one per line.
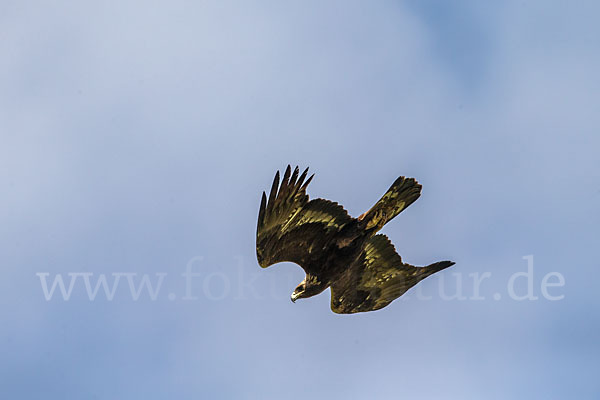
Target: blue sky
column 137, row 138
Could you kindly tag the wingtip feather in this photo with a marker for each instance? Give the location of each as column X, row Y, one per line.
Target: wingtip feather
column 274, row 188
column 307, row 182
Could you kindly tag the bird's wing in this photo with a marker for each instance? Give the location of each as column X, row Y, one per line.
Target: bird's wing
column 377, row 278
column 290, row 227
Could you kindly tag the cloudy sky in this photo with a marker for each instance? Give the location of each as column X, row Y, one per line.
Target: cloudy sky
column 137, row 137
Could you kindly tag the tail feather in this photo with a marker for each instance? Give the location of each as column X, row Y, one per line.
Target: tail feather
column 402, row 193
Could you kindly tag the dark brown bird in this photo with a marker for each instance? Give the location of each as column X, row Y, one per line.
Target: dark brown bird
column 335, row 250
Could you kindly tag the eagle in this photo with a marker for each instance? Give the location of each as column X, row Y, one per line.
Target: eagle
column 337, row 251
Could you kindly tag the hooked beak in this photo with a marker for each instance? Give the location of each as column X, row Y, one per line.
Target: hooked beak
column 294, row 297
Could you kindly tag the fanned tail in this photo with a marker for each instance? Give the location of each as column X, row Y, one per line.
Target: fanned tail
column 402, row 193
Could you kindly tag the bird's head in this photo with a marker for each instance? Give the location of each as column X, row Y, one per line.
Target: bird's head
column 298, row 293
column 308, row 288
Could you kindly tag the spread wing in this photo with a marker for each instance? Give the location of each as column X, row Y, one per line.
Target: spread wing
column 292, row 228
column 377, row 278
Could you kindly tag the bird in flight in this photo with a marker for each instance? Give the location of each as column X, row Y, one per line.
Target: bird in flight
column 335, row 250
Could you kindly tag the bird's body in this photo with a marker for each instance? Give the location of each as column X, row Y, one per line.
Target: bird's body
column 335, row 250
